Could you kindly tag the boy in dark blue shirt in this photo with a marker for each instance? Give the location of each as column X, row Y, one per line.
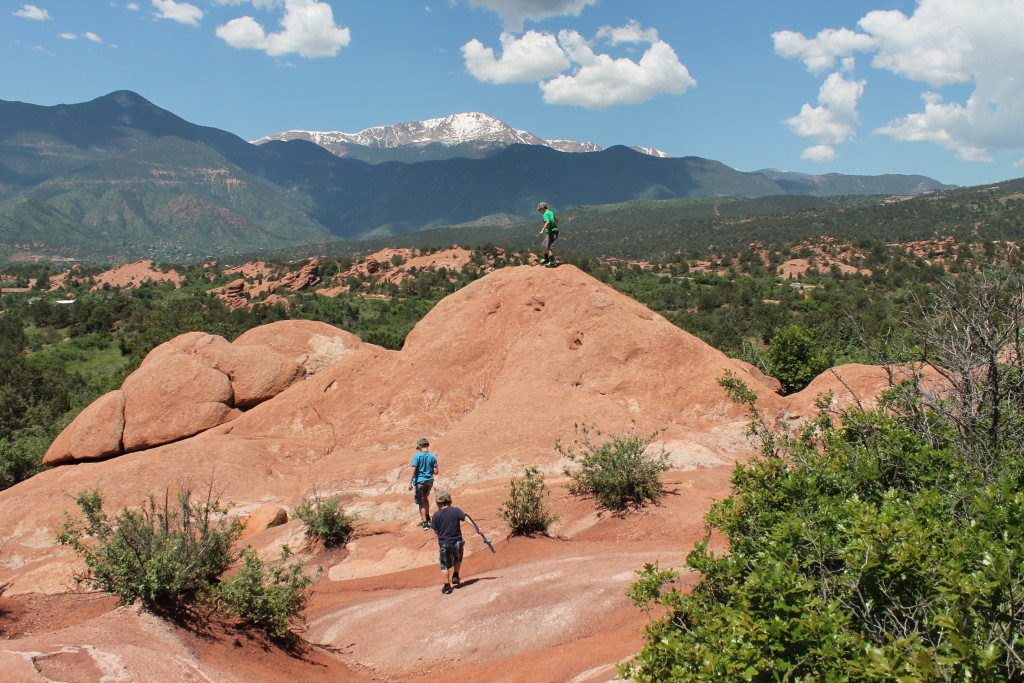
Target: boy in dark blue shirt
column 447, row 525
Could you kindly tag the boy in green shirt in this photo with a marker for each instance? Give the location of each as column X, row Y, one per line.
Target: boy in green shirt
column 550, row 232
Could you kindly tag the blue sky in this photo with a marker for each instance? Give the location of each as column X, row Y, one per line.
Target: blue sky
column 932, row 87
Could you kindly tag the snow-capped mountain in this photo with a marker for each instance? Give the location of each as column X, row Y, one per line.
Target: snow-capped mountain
column 470, row 134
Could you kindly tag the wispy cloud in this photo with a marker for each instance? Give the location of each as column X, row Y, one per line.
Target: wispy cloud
column 181, row 12
column 32, row 12
column 514, row 13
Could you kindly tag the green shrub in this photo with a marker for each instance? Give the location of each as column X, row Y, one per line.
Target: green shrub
column 170, row 555
column 326, row 520
column 268, row 596
column 869, row 550
column 21, row 456
column 525, row 510
column 617, row 471
column 166, row 554
column 796, row 356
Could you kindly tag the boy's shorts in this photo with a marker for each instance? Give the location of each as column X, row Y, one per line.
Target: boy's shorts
column 422, row 491
column 549, row 239
column 450, row 554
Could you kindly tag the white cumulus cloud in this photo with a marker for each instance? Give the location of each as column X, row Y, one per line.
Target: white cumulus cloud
column 307, row 29
column 602, row 81
column 89, row 35
column 820, row 53
column 32, row 12
column 835, row 120
column 597, row 80
column 944, row 42
column 514, row 13
column 531, row 57
column 181, row 12
column 819, row 153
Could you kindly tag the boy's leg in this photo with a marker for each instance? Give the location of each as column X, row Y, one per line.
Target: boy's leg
column 446, row 568
column 423, row 498
column 455, row 579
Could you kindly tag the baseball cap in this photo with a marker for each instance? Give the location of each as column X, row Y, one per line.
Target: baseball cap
column 423, row 441
column 443, row 497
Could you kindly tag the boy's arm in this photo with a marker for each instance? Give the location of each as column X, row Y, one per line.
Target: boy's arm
column 486, row 540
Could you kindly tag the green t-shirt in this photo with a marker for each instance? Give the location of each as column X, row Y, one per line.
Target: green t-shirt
column 549, row 217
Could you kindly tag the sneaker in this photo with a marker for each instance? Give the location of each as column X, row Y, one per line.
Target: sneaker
column 456, row 581
column 425, row 525
column 542, row 261
column 446, row 589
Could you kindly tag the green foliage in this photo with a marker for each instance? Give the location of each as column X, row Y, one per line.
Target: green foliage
column 170, row 556
column 21, row 457
column 326, row 520
column 615, row 469
column 526, row 511
column 865, row 550
column 267, row 596
column 796, row 356
column 166, row 554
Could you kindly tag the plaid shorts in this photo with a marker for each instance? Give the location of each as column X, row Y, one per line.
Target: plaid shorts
column 450, row 554
column 549, row 239
column 422, row 491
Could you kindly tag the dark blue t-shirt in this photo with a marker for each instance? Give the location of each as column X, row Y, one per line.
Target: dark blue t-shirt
column 445, row 524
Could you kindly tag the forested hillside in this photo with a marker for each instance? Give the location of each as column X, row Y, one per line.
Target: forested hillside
column 659, row 230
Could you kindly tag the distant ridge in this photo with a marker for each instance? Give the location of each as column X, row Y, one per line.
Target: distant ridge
column 470, row 135
column 120, row 178
column 837, row 184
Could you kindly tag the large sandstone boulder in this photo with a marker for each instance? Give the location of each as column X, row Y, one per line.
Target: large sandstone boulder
column 198, row 381
column 312, row 344
column 171, row 398
column 94, row 433
column 257, row 372
column 855, row 386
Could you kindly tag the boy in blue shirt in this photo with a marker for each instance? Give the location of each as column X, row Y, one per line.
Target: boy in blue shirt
column 424, row 467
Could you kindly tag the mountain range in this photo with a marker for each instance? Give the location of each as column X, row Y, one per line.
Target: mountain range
column 118, row 177
column 472, row 135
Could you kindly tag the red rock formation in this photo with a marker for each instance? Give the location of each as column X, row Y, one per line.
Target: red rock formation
column 493, row 375
column 233, row 294
column 305, row 277
column 94, row 433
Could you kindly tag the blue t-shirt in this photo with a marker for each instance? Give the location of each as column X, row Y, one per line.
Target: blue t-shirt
column 446, row 524
column 424, row 462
